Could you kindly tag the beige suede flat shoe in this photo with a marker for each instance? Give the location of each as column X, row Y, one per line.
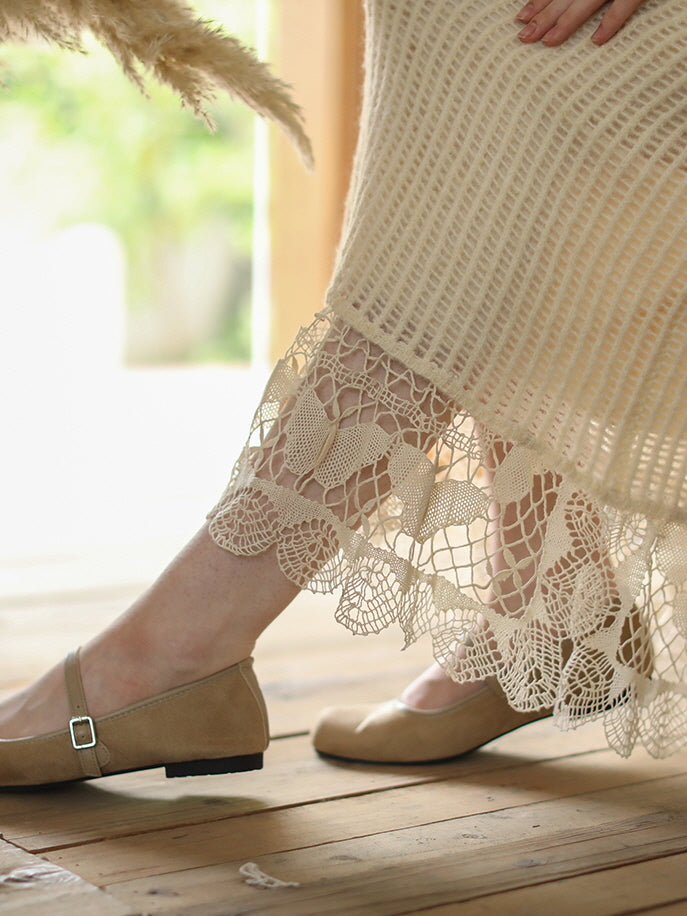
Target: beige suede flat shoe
column 214, row 725
column 395, row 733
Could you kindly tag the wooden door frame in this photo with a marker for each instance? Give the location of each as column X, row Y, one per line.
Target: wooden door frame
column 319, row 51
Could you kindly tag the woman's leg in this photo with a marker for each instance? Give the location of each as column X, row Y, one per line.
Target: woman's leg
column 208, row 607
column 202, row 614
column 546, row 561
column 515, row 541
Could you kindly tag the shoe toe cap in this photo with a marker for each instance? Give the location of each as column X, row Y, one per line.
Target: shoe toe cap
column 340, row 731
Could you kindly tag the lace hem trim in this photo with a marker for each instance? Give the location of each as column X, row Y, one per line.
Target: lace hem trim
column 366, row 478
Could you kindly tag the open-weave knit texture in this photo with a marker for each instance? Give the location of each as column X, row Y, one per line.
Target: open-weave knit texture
column 484, row 436
column 517, row 232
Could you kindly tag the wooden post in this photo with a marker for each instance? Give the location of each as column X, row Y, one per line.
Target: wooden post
column 319, row 46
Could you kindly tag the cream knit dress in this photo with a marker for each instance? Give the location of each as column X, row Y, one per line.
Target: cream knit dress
column 502, row 361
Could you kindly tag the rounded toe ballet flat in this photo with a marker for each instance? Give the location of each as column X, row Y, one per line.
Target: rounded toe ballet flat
column 395, row 733
column 214, row 725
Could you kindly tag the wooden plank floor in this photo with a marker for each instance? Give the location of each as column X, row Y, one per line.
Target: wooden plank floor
column 542, row 822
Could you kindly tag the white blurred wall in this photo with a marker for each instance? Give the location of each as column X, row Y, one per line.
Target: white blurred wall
column 104, row 471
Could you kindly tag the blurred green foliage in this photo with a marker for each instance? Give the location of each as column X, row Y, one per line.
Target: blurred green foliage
column 82, row 143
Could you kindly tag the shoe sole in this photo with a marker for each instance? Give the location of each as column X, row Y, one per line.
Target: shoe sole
column 211, row 767
column 214, row 767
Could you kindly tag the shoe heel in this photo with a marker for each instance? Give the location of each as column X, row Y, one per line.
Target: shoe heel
column 214, row 766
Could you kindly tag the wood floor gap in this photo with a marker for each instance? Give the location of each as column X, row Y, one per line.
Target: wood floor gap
column 273, row 809
column 614, row 866
column 533, row 818
column 295, row 734
column 338, row 797
column 656, row 908
column 373, row 790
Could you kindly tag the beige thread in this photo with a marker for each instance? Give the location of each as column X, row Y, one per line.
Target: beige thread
column 257, row 878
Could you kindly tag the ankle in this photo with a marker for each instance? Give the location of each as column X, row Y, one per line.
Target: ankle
column 149, row 658
column 207, row 657
column 434, row 690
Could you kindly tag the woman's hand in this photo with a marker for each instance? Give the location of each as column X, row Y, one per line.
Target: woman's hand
column 553, row 21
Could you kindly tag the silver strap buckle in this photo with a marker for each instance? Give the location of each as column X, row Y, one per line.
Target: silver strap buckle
column 82, row 720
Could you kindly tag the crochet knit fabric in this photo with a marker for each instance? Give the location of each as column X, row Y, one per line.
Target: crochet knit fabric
column 483, row 437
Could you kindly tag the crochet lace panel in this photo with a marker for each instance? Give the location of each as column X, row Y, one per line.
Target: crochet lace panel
column 367, row 478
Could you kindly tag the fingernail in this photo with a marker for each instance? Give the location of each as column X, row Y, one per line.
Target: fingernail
column 598, row 36
column 551, row 37
column 526, row 12
column 527, row 32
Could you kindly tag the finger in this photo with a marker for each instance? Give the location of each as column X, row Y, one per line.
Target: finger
column 531, row 9
column 535, row 7
column 544, row 19
column 570, row 20
column 614, row 19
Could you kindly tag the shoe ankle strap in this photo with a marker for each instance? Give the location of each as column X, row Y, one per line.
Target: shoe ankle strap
column 81, row 725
